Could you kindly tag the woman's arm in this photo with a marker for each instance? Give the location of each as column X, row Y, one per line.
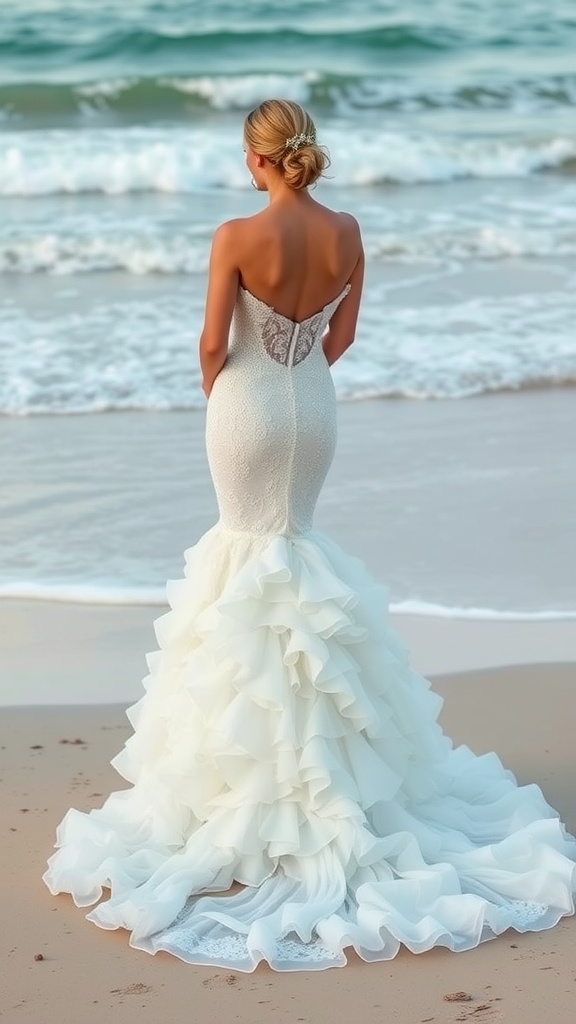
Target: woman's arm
column 223, row 278
column 342, row 326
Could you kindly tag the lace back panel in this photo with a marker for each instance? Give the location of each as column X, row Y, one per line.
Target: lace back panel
column 289, row 341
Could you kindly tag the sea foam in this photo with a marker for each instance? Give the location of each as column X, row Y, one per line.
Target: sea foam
column 177, row 159
column 70, row 362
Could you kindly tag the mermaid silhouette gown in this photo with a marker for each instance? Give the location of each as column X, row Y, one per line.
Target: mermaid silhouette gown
column 284, row 743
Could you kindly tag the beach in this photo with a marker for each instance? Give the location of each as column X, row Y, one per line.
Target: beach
column 459, row 507
column 56, row 757
column 69, row 667
column 450, row 126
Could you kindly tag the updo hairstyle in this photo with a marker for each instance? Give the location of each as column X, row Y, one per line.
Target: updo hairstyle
column 267, row 130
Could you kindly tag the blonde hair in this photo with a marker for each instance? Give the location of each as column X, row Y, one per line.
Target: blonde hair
column 268, row 129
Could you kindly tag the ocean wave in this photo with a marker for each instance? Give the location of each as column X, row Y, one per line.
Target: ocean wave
column 70, row 364
column 106, row 594
column 181, row 160
column 441, row 611
column 65, row 253
column 167, row 45
column 462, row 349
column 67, row 250
column 166, row 30
column 462, row 242
column 137, row 99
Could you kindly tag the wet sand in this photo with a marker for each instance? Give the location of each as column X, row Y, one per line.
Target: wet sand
column 460, row 503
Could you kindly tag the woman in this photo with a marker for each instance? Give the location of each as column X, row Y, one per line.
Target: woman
column 283, row 745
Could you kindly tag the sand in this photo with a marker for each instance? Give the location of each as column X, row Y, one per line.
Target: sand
column 58, row 756
column 55, row 652
column 68, row 670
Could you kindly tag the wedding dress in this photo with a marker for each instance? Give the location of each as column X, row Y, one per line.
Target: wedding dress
column 284, row 743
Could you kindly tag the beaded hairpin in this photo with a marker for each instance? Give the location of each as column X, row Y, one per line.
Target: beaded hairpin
column 300, row 140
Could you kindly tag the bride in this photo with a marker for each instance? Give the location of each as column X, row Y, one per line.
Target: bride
column 291, row 793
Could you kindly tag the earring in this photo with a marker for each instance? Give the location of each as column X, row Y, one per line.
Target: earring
column 254, row 184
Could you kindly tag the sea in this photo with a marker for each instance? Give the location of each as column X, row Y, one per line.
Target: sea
column 451, row 126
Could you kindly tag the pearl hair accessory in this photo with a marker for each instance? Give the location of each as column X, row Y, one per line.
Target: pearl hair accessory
column 300, row 140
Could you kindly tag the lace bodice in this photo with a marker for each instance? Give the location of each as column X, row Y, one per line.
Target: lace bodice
column 271, row 419
column 289, row 341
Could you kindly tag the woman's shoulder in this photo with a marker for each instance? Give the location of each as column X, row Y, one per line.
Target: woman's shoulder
column 342, row 223
column 231, row 232
column 227, row 228
column 349, row 223
column 229, row 235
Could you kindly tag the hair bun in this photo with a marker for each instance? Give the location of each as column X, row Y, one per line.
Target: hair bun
column 283, row 132
column 302, row 167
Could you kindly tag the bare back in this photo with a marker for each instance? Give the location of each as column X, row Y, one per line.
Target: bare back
column 296, row 256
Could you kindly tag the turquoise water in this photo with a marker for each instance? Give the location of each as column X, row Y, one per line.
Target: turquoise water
column 452, row 130
column 474, row 43
column 76, row 63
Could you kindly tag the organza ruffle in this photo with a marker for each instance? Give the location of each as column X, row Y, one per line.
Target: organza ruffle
column 284, row 743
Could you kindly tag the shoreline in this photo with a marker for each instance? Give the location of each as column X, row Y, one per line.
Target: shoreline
column 455, row 504
column 154, row 597
column 59, row 653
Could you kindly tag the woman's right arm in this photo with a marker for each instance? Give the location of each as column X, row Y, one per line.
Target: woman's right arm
column 342, row 327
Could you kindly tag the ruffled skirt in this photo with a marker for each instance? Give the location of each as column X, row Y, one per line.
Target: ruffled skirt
column 284, row 743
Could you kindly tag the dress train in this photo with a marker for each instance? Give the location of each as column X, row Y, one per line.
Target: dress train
column 283, row 742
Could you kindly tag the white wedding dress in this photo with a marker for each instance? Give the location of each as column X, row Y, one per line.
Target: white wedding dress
column 284, row 743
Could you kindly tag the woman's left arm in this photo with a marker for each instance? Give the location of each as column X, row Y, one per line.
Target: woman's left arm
column 223, row 278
